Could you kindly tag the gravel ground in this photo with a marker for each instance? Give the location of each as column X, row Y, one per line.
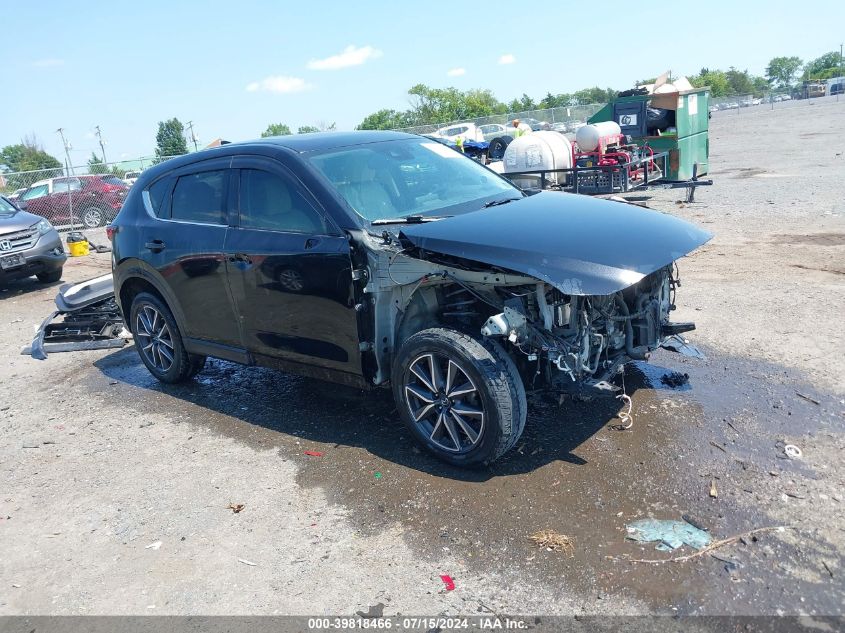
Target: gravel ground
column 114, row 489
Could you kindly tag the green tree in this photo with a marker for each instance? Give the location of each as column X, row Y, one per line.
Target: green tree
column 28, row 155
column 781, row 71
column 307, row 129
column 739, row 81
column 170, row 139
column 276, row 129
column 96, row 165
column 384, row 120
column 714, row 79
column 824, row 67
column 441, row 105
column 593, row 95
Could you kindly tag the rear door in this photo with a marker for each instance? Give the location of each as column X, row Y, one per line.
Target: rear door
column 185, row 245
column 290, row 271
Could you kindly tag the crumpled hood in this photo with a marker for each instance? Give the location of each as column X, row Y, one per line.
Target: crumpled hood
column 580, row 245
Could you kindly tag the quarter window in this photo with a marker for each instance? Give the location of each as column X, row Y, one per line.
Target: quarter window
column 157, row 191
column 268, row 201
column 200, row 198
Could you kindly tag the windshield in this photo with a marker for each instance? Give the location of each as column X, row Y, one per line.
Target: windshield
column 396, row 179
column 6, row 207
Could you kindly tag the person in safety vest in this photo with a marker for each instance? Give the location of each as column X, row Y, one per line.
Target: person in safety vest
column 517, row 131
column 460, row 143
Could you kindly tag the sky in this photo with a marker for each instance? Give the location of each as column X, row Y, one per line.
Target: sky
column 234, row 67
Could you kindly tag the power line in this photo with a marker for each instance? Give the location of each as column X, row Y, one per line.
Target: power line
column 102, row 144
column 61, row 132
column 193, row 138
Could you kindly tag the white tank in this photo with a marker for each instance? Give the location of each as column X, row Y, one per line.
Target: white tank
column 540, row 150
column 497, row 166
column 589, row 136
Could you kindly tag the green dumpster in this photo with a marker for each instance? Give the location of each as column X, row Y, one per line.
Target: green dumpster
column 686, row 139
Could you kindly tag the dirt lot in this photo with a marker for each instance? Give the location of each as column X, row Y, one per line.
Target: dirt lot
column 99, row 463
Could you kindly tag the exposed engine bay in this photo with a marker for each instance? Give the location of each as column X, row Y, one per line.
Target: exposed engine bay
column 558, row 340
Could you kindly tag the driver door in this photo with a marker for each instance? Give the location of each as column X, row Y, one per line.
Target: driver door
column 290, row 272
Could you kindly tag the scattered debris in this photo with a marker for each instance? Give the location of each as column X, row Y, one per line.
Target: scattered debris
column 719, row 446
column 625, row 415
column 247, row 562
column 716, row 545
column 154, row 545
column 713, row 492
column 313, row 453
column 554, row 541
column 693, row 521
column 374, row 611
column 377, row 475
column 823, row 563
column 670, row 534
column 235, row 507
column 807, row 398
column 16, row 586
column 447, row 580
column 31, row 445
column 674, row 379
column 792, row 451
column 794, row 495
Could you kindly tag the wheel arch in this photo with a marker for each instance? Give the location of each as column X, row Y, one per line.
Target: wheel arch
column 133, row 278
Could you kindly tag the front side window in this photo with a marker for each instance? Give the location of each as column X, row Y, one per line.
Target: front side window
column 66, row 184
column 268, row 201
column 6, row 206
column 394, row 179
column 36, row 192
column 200, row 198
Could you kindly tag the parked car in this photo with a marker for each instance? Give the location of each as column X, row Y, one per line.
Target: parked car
column 29, row 245
column 382, row 258
column 94, row 200
column 130, row 177
column 492, row 130
column 466, row 131
column 15, row 194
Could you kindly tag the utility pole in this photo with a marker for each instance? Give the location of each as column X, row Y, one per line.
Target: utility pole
column 102, row 144
column 69, row 163
column 193, row 138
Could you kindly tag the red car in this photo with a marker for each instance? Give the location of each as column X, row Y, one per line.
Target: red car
column 93, row 200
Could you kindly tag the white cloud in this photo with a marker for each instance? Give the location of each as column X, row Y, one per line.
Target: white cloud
column 457, row 72
column 50, row 62
column 351, row 56
column 279, row 84
column 507, row 59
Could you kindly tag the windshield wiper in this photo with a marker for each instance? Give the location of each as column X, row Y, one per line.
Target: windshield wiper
column 409, row 219
column 496, row 203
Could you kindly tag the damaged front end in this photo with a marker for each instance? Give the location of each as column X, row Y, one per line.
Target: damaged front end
column 572, row 340
column 571, row 292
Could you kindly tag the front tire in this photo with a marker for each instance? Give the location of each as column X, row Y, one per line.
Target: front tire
column 159, row 342
column 461, row 397
column 50, row 277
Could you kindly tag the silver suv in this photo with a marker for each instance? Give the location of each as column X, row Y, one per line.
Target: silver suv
column 29, row 245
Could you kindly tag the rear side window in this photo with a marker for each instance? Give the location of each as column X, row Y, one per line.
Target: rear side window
column 113, row 180
column 157, row 191
column 200, row 198
column 268, row 201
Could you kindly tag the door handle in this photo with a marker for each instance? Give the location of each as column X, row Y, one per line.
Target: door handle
column 311, row 242
column 156, row 246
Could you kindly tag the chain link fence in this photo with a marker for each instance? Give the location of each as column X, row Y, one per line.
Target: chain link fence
column 563, row 119
column 80, row 196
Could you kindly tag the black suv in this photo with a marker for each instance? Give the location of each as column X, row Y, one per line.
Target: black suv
column 376, row 258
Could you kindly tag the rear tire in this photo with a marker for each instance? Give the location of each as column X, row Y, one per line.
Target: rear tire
column 50, row 277
column 93, row 217
column 159, row 342
column 461, row 397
